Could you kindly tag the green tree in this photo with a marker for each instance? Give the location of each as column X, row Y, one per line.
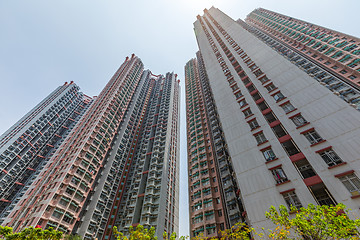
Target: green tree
column 139, row 232
column 313, row 222
column 238, row 231
column 166, row 236
column 72, row 237
column 30, row 233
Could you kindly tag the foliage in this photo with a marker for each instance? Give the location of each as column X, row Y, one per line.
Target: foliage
column 72, row 237
column 30, row 233
column 172, row 236
column 5, row 231
column 238, row 231
column 139, row 232
column 313, row 222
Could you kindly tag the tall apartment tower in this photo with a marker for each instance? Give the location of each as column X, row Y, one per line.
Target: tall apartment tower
column 28, row 145
column 140, row 180
column 120, row 160
column 337, row 52
column 213, row 191
column 291, row 131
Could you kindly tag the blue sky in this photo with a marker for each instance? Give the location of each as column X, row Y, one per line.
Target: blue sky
column 46, row 43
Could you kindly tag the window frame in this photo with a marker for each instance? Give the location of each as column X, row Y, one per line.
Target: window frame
column 288, row 107
column 354, row 190
column 313, row 137
column 332, row 161
column 260, row 136
column 295, row 119
column 268, row 154
column 291, row 198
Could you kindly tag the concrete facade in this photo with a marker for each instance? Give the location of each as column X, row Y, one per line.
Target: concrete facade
column 281, row 124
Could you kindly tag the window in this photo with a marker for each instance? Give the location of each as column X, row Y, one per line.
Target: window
column 290, row 147
column 198, row 218
column 208, row 203
column 270, row 87
column 222, row 227
column 210, row 229
column 330, row 157
column 256, row 96
column 322, row 194
column 253, row 124
column 258, row 73
column 352, row 183
column 288, row 107
column 197, row 206
column 247, row 112
column 246, row 81
column 58, row 213
column 278, row 96
column 335, row 67
column 292, row 200
column 313, row 137
column 299, row 120
column 235, row 87
column 269, row 154
column 262, row 106
column 279, row 131
column 242, row 103
column 251, row 88
column 238, row 95
column 270, row 117
column 260, row 138
column 279, row 175
column 305, row 168
column 352, row 77
column 264, row 79
column 343, row 71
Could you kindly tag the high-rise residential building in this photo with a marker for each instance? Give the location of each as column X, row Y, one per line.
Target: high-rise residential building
column 117, row 167
column 337, row 52
column 28, row 145
column 289, row 125
column 213, row 191
column 140, row 180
